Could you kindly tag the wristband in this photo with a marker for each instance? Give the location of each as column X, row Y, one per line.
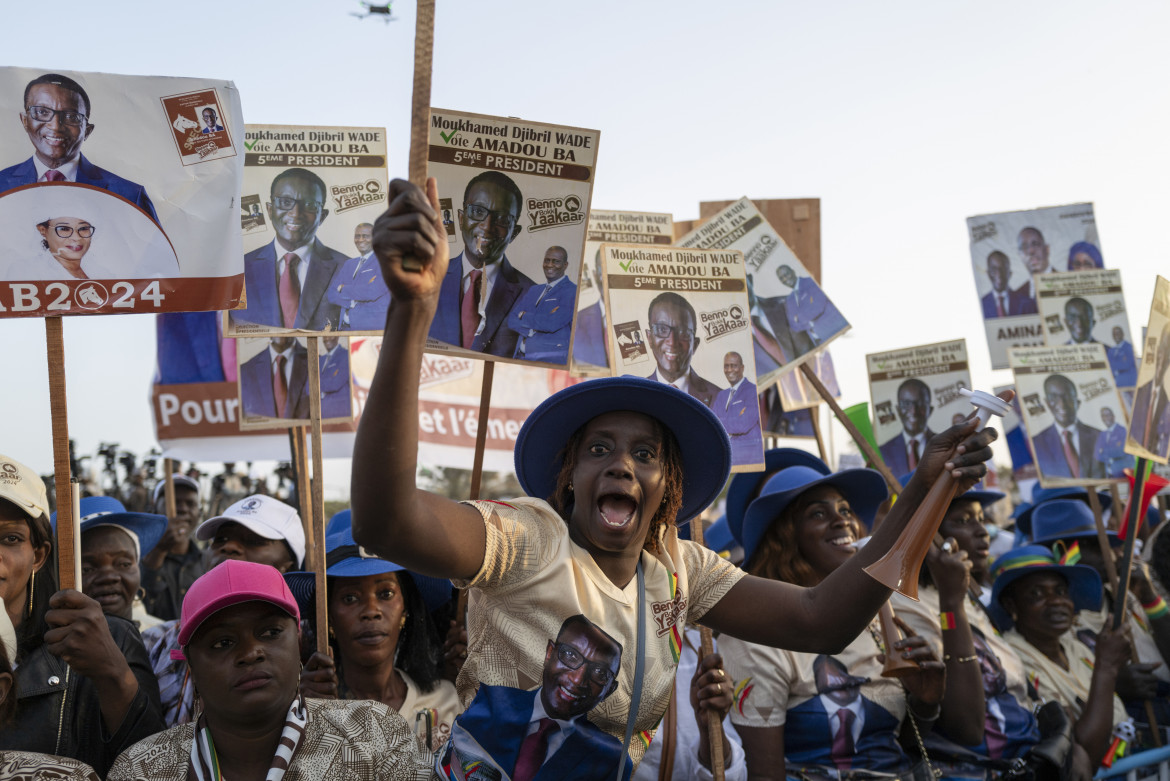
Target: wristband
column 1156, row 609
column 946, row 620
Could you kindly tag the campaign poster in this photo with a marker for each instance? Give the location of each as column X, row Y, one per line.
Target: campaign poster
column 1088, row 307
column 796, row 392
column 1073, row 413
column 780, row 422
column 790, row 315
column 273, row 374
column 1008, row 250
column 516, row 198
column 1149, row 432
column 116, row 195
column 915, row 394
column 679, row 316
column 1012, row 426
column 590, row 358
column 312, row 195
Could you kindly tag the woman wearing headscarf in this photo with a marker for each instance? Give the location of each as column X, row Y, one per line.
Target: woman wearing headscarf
column 579, row 591
column 1084, row 256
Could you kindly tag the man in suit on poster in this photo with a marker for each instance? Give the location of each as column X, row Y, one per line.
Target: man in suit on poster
column 1110, row 447
column 1065, row 448
column 1121, row 360
column 543, row 317
column 1001, row 300
column 287, row 279
column 358, row 289
column 56, row 118
column 810, row 312
column 1150, row 423
column 336, row 398
column 211, row 122
column 1034, row 252
column 481, row 286
column 901, row 453
column 591, row 345
column 738, row 409
column 671, row 332
column 1079, row 319
column 274, row 383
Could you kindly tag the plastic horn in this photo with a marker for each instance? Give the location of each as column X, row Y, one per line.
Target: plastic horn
column 1152, row 485
column 899, row 568
column 895, row 666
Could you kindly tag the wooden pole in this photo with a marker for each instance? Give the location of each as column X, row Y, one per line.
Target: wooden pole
column 299, row 450
column 1103, row 539
column 871, row 455
column 485, row 403
column 68, row 558
column 315, row 539
column 815, row 416
column 420, row 104
column 168, row 488
column 706, row 648
column 1116, row 494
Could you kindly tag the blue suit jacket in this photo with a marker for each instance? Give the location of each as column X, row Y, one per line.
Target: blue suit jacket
column 87, row 173
column 188, row 348
column 494, row 339
column 256, row 386
column 335, row 395
column 703, row 390
column 1017, row 304
column 739, row 412
column 497, row 720
column 809, row 741
column 811, row 311
column 551, row 319
column 1050, row 452
column 1121, row 363
column 366, row 291
column 1110, row 451
column 894, row 452
column 315, row 312
column 589, row 346
column 1160, row 429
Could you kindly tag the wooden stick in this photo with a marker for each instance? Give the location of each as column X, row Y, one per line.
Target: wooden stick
column 485, row 403
column 168, row 488
column 420, row 104
column 871, row 455
column 1103, row 538
column 315, row 539
column 1116, row 494
column 75, row 501
column 299, row 450
column 67, row 557
column 815, row 416
column 706, row 648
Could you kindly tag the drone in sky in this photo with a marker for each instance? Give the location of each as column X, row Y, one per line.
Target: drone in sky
column 382, row 12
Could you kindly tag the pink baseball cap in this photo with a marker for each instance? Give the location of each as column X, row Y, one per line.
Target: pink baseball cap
column 231, row 583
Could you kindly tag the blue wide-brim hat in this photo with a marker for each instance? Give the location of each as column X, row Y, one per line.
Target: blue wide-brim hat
column 1024, row 513
column 1084, row 584
column 705, row 448
column 1065, row 519
column 984, row 496
column 864, row 489
column 718, row 536
column 344, row 558
column 746, row 486
column 340, row 521
column 108, row 511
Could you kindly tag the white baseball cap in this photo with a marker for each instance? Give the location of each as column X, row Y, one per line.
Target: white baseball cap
column 23, row 487
column 270, row 518
column 179, row 479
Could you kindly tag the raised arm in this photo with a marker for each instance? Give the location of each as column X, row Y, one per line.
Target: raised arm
column 391, row 515
column 826, row 617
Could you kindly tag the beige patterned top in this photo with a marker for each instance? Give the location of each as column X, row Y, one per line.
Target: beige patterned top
column 29, row 766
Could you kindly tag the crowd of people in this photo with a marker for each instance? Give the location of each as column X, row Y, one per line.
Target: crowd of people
column 190, row 649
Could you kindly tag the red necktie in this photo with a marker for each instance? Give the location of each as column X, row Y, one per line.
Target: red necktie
column 289, row 290
column 280, row 387
column 913, row 454
column 532, row 751
column 1070, row 455
column 843, row 740
column 999, row 305
column 53, row 175
column 469, row 309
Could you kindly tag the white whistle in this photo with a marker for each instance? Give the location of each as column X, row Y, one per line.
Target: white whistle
column 986, row 404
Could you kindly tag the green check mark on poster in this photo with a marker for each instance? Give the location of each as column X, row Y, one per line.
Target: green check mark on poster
column 249, row 146
column 625, row 266
column 448, row 136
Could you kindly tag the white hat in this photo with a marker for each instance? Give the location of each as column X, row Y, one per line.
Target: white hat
column 179, row 479
column 271, row 518
column 23, row 487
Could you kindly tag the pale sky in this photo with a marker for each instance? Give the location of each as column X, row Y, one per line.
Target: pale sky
column 904, row 119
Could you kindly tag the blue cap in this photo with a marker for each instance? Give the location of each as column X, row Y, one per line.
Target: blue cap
column 108, row 511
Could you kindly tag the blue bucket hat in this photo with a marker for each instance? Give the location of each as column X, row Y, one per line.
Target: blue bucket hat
column 1065, row 519
column 1084, row 584
column 1024, row 512
column 146, row 528
column 704, row 446
column 339, row 522
column 865, row 490
column 344, row 558
column 746, row 486
column 718, row 536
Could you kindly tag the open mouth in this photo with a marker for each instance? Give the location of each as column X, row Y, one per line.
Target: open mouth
column 617, row 510
column 846, row 540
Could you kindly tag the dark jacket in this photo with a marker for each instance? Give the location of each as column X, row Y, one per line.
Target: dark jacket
column 58, row 710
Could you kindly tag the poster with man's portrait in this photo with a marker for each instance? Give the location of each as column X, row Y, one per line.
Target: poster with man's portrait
column 1008, row 250
column 590, row 358
column 1073, row 413
column 1020, row 450
column 790, row 315
column 273, row 378
column 1088, row 307
column 519, row 194
column 781, row 422
column 679, row 316
column 111, row 201
column 1149, row 433
column 310, row 268
column 796, row 392
column 915, row 394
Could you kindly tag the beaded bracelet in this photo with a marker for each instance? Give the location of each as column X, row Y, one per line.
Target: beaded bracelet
column 946, row 620
column 960, row 659
column 1156, row 609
